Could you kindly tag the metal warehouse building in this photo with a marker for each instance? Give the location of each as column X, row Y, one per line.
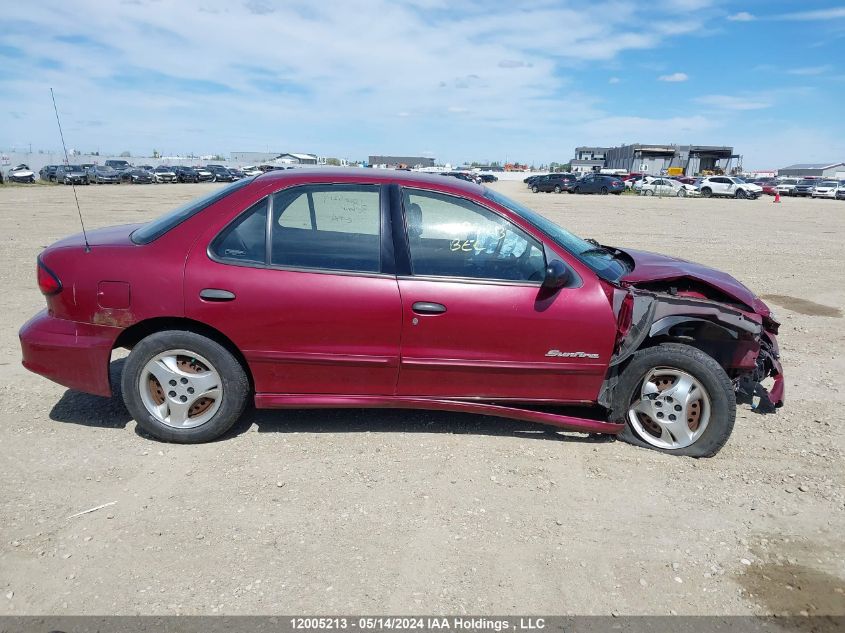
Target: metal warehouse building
column 821, row 170
column 396, row 161
column 656, row 159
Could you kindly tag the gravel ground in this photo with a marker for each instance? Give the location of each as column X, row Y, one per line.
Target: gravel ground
column 416, row 512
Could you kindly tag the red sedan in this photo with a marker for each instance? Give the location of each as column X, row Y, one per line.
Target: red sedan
column 368, row 288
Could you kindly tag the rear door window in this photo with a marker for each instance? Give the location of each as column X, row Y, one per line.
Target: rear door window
column 327, row 227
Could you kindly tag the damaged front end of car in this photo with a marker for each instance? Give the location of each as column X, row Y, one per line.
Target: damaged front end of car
column 742, row 339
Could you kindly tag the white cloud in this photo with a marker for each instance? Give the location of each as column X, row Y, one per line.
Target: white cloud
column 613, row 80
column 742, row 16
column 674, row 77
column 728, row 102
column 809, row 16
column 810, row 70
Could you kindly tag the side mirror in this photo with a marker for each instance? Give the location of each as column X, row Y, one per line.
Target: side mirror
column 558, row 275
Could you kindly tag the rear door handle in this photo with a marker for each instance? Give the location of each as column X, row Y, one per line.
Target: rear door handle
column 427, row 307
column 216, row 294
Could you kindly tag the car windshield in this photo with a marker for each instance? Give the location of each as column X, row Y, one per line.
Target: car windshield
column 788, row 181
column 601, row 261
column 738, row 181
column 158, row 227
column 827, row 183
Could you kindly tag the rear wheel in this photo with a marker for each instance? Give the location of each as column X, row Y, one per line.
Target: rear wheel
column 604, row 191
column 576, row 190
column 675, row 399
column 648, row 192
column 557, row 188
column 183, row 387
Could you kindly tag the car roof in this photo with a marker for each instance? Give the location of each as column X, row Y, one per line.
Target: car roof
column 368, row 175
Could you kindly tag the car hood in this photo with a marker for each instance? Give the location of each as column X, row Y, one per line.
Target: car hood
column 655, row 267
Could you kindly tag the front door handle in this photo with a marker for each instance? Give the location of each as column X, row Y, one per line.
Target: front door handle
column 427, row 307
column 216, row 294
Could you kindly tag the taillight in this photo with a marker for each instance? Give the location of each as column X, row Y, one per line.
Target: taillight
column 48, row 282
column 615, row 183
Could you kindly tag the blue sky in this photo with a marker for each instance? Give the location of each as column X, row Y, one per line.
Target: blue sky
column 475, row 80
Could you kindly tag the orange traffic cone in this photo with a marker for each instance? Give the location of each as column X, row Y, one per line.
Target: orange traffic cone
column 777, row 196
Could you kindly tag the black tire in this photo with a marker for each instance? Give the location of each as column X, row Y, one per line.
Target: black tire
column 535, row 189
column 233, row 379
column 604, row 191
column 704, row 369
column 740, row 194
column 648, row 192
column 557, row 188
column 707, row 192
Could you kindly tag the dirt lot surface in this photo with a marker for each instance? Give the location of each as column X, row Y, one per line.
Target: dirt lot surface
column 415, row 512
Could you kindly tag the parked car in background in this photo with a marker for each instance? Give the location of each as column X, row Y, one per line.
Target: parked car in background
column 252, row 170
column 474, row 303
column 221, row 174
column 164, row 173
column 632, row 179
column 136, row 176
column 117, row 165
column 769, row 187
column 22, row 173
column 840, row 191
column 555, row 182
column 204, row 175
column 186, row 174
column 637, row 185
column 488, row 178
column 786, row 186
column 103, row 175
column 536, row 181
column 71, row 175
column 237, row 174
column 805, row 187
column 48, row 173
column 729, row 187
column 825, row 189
column 667, row 187
column 532, row 179
column 598, row 183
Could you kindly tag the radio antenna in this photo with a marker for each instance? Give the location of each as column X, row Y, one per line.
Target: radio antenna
column 73, row 186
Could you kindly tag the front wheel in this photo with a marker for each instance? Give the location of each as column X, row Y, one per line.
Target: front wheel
column 707, row 192
column 648, row 192
column 740, row 194
column 675, row 399
column 535, row 189
column 183, row 387
column 682, row 193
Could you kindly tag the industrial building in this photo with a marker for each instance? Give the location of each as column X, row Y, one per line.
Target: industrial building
column 657, row 159
column 401, row 161
column 820, row 170
column 588, row 159
column 279, row 158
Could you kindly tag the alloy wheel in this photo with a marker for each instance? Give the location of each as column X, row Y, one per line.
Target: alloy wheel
column 672, row 409
column 180, row 388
